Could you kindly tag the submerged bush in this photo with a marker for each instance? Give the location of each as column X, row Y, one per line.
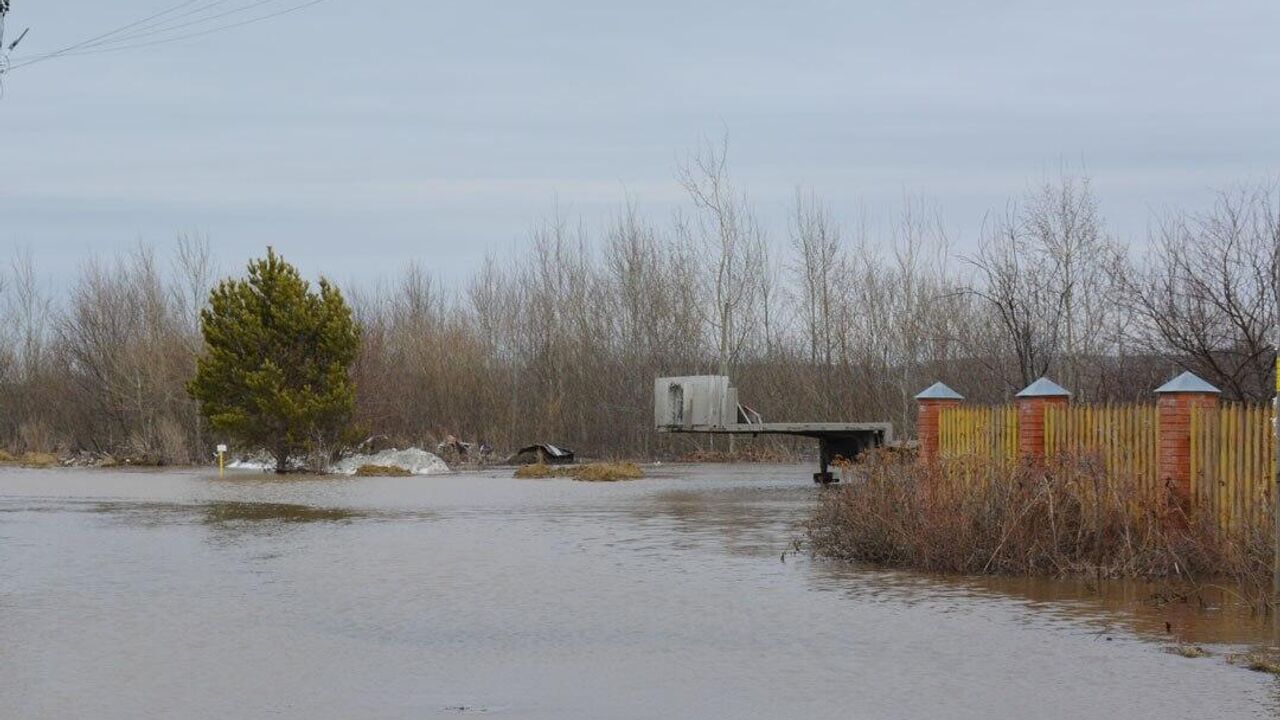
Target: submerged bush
column 1064, row 518
column 591, row 472
column 535, row 471
column 607, row 472
column 1189, row 651
column 753, row 454
column 381, row 471
column 1258, row 661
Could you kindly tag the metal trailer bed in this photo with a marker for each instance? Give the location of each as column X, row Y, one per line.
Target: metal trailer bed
column 709, row 404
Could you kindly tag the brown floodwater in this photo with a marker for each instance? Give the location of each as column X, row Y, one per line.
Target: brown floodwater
column 181, row 595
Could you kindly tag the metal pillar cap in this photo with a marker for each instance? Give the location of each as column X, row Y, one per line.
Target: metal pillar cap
column 1188, row 382
column 939, row 391
column 1044, row 387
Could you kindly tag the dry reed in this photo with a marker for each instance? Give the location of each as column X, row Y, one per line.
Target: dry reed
column 591, row 472
column 1064, row 518
column 33, row 459
column 382, row 471
column 762, row 454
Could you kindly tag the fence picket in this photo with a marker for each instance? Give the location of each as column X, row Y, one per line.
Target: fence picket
column 1232, row 454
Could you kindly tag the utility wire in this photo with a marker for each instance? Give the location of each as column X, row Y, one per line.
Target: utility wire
column 161, row 23
column 93, row 46
column 155, row 22
column 118, row 30
column 161, row 28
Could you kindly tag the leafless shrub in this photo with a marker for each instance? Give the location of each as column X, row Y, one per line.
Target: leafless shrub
column 1063, row 518
column 1210, row 287
column 35, row 436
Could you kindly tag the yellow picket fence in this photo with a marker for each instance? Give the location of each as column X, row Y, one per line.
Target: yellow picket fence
column 1233, row 459
column 1232, row 449
column 1124, row 438
column 978, row 432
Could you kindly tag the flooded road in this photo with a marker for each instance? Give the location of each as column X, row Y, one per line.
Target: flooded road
column 176, row 594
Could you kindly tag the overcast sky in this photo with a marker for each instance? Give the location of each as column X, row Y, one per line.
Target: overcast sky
column 357, row 136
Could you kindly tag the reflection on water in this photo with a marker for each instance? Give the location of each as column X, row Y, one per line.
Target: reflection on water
column 1209, row 616
column 179, row 594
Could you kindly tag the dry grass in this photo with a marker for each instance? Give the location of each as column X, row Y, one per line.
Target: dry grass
column 1257, row 661
column 1189, row 651
column 535, row 471
column 5, row 457
column 35, row 459
column 591, row 472
column 748, row 455
column 608, row 472
column 382, row 471
column 1064, row 519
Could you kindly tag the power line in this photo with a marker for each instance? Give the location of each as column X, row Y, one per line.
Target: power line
column 156, row 21
column 120, row 29
column 100, row 43
column 161, row 27
column 161, row 22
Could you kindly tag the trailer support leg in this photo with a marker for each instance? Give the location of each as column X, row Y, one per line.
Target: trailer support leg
column 824, row 475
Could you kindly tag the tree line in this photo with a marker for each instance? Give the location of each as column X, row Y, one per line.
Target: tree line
column 561, row 343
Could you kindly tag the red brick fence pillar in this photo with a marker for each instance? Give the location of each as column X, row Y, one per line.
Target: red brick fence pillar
column 1176, row 399
column 1032, row 402
column 930, row 404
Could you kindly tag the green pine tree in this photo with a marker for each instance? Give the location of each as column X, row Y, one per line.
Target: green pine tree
column 275, row 372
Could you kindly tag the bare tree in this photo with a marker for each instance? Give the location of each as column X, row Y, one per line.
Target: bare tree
column 1020, row 288
column 1063, row 223
column 816, row 269
column 732, row 243
column 1208, row 290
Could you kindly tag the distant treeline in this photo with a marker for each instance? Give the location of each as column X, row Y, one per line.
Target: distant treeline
column 562, row 343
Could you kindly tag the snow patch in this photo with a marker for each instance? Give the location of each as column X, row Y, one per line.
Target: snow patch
column 416, row 460
column 260, row 461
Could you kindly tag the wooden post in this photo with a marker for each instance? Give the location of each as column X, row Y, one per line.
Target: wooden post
column 1032, row 402
column 1174, row 407
column 930, row 403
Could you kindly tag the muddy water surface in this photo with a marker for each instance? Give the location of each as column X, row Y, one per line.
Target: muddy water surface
column 177, row 594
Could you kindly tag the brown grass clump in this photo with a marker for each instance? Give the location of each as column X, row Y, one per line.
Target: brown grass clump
column 1189, row 651
column 38, row 460
column 747, row 455
column 382, row 471
column 536, row 471
column 1257, row 661
column 591, row 472
column 1063, row 518
column 607, row 472
column 5, row 457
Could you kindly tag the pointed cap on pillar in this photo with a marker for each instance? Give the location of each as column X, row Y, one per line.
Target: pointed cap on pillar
column 1044, row 387
column 939, row 391
column 1188, row 382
